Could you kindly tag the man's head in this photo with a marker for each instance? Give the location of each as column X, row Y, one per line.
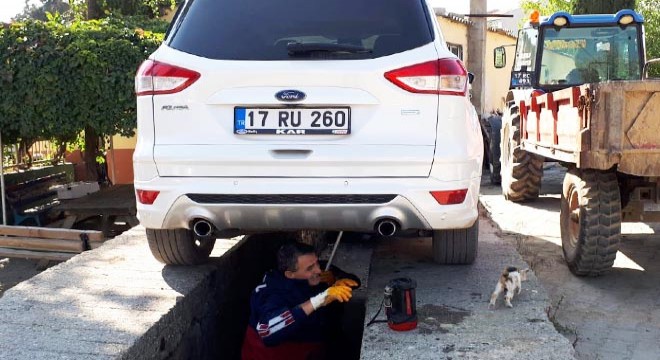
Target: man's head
column 299, row 261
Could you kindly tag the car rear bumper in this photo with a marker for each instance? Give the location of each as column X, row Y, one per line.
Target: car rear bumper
column 306, row 203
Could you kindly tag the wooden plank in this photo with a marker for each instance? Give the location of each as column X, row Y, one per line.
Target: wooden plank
column 41, row 244
column 26, row 254
column 50, row 233
column 69, row 221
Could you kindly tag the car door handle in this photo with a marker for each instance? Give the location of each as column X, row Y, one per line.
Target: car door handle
column 290, row 153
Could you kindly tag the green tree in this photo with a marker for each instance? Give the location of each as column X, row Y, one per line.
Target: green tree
column 58, row 79
column 650, row 9
column 132, row 14
column 96, row 9
column 547, row 7
column 602, row 7
column 39, row 12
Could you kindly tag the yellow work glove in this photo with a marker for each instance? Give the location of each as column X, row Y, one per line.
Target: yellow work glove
column 339, row 293
column 346, row 282
column 328, row 277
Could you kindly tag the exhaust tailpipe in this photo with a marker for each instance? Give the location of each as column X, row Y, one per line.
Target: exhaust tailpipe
column 202, row 229
column 387, row 227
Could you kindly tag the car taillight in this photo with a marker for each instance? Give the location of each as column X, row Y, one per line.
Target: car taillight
column 155, row 78
column 443, row 77
column 147, row 197
column 449, row 197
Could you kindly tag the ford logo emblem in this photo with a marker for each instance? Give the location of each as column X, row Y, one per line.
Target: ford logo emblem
column 290, row 95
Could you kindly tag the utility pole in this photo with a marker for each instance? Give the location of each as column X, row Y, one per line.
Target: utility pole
column 476, row 53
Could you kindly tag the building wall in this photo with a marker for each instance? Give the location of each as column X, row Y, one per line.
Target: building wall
column 498, row 80
column 120, row 159
column 455, row 30
column 454, row 33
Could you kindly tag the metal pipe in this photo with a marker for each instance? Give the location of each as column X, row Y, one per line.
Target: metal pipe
column 112, row 157
column 334, row 250
column 386, row 227
column 202, row 228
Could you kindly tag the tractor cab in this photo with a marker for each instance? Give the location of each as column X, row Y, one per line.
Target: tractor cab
column 565, row 50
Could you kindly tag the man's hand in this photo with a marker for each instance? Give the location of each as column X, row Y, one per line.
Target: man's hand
column 339, row 293
column 328, row 277
column 346, row 282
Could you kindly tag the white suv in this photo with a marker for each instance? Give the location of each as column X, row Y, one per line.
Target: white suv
column 303, row 114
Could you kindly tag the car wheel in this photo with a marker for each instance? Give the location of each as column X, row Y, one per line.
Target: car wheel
column 456, row 246
column 178, row 246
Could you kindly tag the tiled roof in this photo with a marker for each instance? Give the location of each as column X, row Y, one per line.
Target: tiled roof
column 461, row 19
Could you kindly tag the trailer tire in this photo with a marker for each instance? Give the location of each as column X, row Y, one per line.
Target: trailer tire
column 590, row 219
column 456, row 246
column 178, row 246
column 521, row 171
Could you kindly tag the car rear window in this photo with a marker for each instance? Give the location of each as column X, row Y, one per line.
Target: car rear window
column 300, row 29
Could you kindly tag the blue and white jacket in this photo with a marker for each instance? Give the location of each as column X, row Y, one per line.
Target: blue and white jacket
column 275, row 312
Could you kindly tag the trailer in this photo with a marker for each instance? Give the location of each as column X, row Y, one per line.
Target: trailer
column 597, row 115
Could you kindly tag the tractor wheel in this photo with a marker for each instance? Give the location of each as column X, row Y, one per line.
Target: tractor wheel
column 521, row 171
column 456, row 246
column 178, row 247
column 590, row 221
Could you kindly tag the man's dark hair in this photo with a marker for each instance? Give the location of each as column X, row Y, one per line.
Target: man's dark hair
column 287, row 255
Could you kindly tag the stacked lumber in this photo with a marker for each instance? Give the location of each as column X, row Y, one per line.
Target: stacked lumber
column 46, row 243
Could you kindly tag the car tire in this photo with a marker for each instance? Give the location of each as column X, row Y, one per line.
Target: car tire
column 178, row 246
column 521, row 170
column 590, row 219
column 456, row 246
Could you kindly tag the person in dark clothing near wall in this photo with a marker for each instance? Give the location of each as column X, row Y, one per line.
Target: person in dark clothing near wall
column 296, row 311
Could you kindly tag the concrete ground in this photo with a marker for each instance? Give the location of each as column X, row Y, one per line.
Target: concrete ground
column 15, row 270
column 112, row 302
column 118, row 302
column 616, row 316
column 452, row 305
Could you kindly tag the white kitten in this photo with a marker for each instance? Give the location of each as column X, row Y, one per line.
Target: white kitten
column 510, row 281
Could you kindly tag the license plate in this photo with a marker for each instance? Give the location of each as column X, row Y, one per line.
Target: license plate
column 292, row 121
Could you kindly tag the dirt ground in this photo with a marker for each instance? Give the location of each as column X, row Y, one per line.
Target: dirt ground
column 615, row 316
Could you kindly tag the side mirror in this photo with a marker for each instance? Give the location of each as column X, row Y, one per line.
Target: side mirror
column 470, row 77
column 499, row 57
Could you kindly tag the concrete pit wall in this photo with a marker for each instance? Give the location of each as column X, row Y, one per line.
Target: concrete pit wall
column 117, row 302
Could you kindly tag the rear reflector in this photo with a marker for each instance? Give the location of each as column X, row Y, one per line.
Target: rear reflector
column 443, row 77
column 449, row 197
column 155, row 78
column 147, row 197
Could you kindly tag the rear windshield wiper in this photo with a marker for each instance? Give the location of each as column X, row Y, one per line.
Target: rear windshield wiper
column 296, row 48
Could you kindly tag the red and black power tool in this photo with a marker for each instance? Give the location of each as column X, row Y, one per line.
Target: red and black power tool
column 400, row 304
